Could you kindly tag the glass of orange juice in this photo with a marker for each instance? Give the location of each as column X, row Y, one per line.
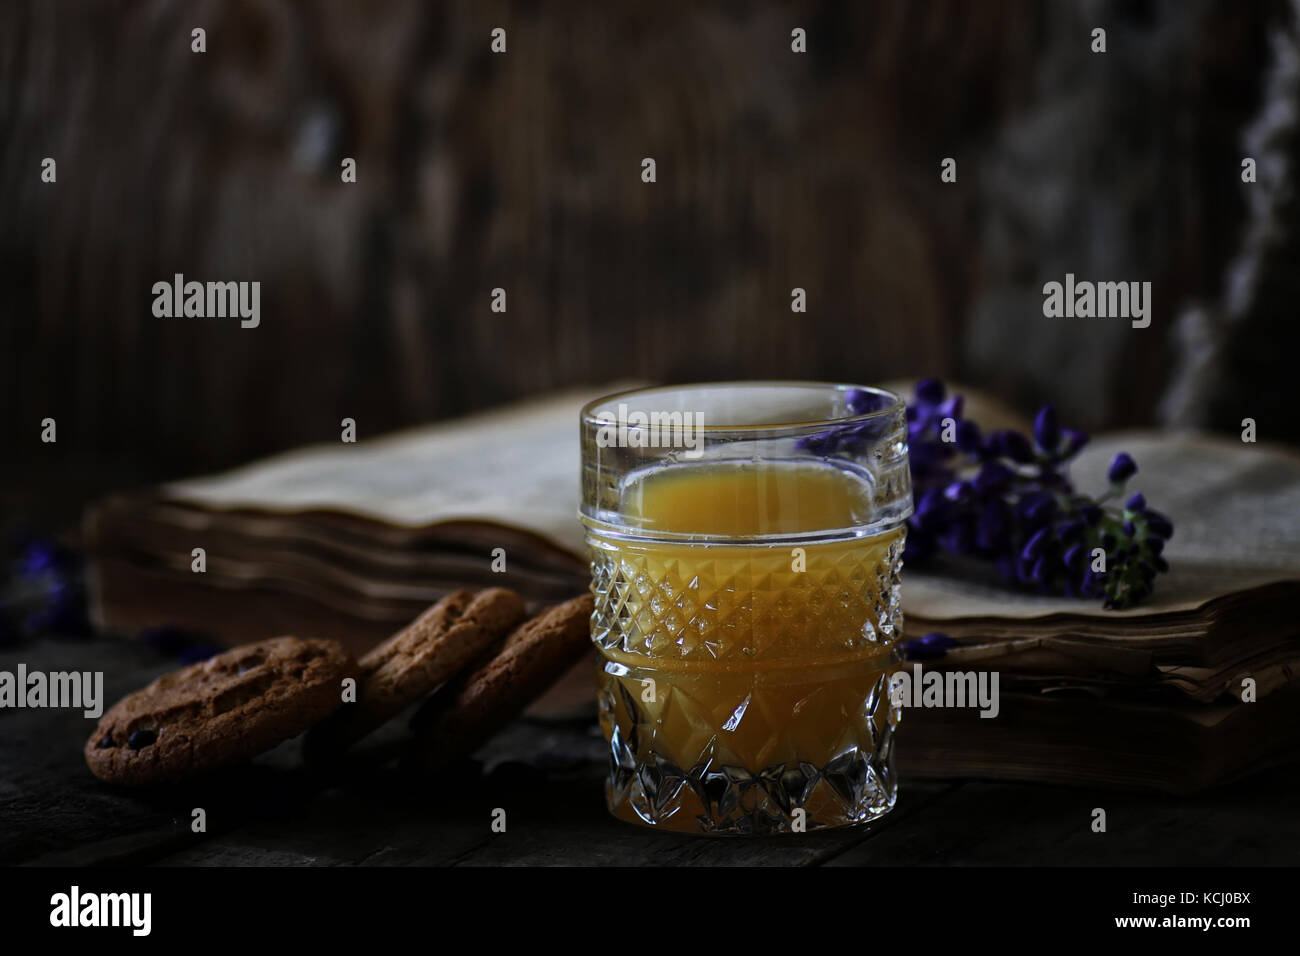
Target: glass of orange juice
column 745, row 542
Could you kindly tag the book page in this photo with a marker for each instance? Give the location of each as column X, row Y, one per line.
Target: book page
column 517, row 465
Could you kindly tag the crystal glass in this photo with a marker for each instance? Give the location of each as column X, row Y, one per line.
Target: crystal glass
column 745, row 543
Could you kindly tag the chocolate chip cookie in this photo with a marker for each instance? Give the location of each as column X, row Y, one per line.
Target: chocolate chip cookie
column 416, row 660
column 476, row 704
column 219, row 711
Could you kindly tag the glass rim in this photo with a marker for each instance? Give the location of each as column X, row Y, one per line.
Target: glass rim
column 893, row 405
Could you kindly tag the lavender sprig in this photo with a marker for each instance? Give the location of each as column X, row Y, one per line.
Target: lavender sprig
column 1006, row 498
column 43, row 591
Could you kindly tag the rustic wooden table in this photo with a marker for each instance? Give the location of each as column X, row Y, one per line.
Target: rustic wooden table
column 547, row 778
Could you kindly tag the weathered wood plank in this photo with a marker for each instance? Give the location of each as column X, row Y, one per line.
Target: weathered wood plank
column 54, row 812
column 49, row 801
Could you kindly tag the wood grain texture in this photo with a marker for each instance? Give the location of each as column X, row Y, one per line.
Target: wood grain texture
column 522, row 172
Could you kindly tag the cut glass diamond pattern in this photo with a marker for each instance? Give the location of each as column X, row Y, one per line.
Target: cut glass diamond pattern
column 738, row 738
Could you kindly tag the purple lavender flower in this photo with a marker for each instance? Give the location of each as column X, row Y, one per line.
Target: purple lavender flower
column 38, row 557
column 967, row 437
column 1035, row 545
column 929, row 391
column 1069, row 530
column 951, row 408
column 1012, row 445
column 1041, row 572
column 1008, row 500
column 1122, row 468
column 992, row 477
column 45, row 590
column 960, row 491
column 958, row 537
column 991, row 526
column 1047, row 429
column 1159, row 524
column 928, row 646
column 1037, row 508
column 1075, row 440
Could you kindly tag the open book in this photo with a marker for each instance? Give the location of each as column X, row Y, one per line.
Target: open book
column 352, row 541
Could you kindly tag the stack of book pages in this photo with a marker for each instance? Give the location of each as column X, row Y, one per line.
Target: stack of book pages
column 350, row 540
column 354, row 540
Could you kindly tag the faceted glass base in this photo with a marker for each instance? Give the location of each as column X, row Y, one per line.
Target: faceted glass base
column 710, row 792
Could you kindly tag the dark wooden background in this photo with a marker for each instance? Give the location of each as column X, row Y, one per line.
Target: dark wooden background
column 522, row 171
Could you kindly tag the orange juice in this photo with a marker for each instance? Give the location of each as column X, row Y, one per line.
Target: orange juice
column 742, row 671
